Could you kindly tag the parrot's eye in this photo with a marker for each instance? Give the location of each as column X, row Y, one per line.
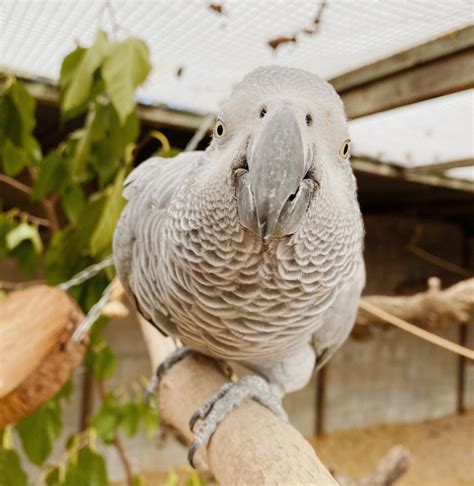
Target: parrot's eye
column 219, row 130
column 309, row 120
column 263, row 111
column 345, row 149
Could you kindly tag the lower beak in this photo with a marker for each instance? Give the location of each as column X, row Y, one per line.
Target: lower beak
column 276, row 168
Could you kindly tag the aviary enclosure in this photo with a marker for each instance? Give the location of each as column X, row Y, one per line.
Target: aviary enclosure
column 89, row 91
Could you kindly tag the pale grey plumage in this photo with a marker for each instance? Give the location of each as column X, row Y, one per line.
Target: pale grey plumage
column 183, row 249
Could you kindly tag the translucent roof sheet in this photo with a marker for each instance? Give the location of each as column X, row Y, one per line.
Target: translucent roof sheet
column 215, row 50
column 430, row 132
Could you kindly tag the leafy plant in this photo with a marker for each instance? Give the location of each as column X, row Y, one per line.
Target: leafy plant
column 78, row 187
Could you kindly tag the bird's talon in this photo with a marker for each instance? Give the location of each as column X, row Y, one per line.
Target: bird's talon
column 196, row 416
column 150, row 389
column 192, row 451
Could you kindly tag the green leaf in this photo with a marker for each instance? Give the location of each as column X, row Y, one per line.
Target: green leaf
column 111, row 140
column 11, row 472
column 17, row 109
column 25, row 106
column 121, row 83
column 101, row 239
column 52, row 175
column 108, row 418
column 53, row 477
column 67, row 250
column 195, row 480
column 14, row 159
column 100, row 361
column 69, row 66
column 34, row 149
column 130, row 418
column 6, row 225
column 27, row 258
column 77, row 91
column 39, row 431
column 172, row 479
column 73, row 203
column 138, row 481
column 24, row 232
column 65, row 391
column 151, row 419
column 88, row 470
column 82, row 151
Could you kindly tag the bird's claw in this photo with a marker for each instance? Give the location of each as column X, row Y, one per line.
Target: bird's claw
column 177, row 355
column 228, row 397
column 205, row 408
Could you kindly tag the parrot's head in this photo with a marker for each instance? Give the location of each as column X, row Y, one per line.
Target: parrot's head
column 282, row 138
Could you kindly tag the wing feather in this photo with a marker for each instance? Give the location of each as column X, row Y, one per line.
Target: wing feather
column 148, row 190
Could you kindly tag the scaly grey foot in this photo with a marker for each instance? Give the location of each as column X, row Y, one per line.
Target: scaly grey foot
column 177, row 355
column 228, row 397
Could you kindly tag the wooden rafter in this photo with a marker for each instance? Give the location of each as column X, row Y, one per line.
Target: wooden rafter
column 442, row 166
column 436, row 68
column 372, row 166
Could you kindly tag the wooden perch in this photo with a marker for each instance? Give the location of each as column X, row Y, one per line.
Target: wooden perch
column 434, row 309
column 251, row 445
column 36, row 354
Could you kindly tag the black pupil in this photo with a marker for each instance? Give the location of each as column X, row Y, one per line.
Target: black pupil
column 220, row 130
column 309, row 119
column 346, row 148
column 263, row 112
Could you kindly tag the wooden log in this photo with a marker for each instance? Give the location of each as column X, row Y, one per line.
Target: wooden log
column 36, row 354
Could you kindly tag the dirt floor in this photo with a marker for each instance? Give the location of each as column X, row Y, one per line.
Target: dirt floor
column 442, row 452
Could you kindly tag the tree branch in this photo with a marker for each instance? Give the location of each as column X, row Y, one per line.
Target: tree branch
column 434, row 309
column 388, row 470
column 251, row 445
column 15, row 184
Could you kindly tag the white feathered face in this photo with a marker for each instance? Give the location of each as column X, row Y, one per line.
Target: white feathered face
column 283, row 139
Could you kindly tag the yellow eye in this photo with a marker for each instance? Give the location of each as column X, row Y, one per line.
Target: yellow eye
column 220, row 129
column 345, row 150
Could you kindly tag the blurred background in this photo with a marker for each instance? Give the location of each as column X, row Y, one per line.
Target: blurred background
column 147, row 77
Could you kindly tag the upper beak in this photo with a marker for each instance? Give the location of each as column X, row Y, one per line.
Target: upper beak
column 276, row 163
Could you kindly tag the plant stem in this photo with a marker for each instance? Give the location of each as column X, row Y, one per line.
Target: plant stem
column 118, row 442
column 48, row 206
column 16, row 184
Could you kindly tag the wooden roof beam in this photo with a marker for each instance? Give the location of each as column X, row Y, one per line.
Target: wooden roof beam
column 442, row 166
column 375, row 167
column 436, row 68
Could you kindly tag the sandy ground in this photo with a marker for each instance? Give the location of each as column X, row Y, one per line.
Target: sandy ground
column 442, row 452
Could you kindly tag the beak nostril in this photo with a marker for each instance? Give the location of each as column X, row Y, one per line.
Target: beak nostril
column 292, row 196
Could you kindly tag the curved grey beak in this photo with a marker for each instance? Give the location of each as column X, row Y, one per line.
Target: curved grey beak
column 276, row 162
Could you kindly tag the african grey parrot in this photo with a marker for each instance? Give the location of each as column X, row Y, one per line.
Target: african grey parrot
column 251, row 251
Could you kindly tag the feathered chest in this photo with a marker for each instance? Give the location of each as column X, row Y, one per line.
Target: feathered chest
column 224, row 289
